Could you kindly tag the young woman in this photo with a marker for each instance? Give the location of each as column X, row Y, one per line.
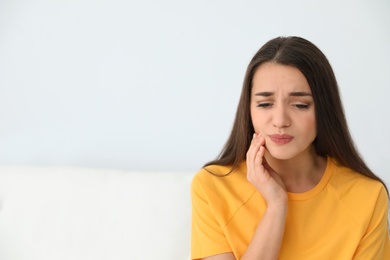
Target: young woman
column 289, row 183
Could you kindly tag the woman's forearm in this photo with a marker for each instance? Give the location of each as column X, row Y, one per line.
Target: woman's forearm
column 267, row 239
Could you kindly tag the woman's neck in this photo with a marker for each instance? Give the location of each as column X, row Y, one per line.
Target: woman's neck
column 301, row 173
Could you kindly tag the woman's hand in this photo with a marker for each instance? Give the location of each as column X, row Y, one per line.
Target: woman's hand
column 262, row 176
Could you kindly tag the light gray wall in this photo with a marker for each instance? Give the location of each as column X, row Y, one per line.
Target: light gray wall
column 153, row 85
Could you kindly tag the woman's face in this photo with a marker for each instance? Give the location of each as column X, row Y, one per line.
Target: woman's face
column 282, row 110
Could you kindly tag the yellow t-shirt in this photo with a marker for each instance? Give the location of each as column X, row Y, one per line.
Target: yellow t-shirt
column 343, row 217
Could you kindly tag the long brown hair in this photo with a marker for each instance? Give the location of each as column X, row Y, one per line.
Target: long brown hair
column 333, row 136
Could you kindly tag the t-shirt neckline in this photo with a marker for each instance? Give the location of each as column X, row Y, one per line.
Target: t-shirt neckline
column 318, row 188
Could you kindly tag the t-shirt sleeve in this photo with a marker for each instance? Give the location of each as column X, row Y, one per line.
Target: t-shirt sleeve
column 375, row 244
column 207, row 236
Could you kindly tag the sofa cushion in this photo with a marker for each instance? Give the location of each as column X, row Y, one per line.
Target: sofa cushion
column 76, row 213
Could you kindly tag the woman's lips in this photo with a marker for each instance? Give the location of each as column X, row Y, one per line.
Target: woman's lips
column 281, row 139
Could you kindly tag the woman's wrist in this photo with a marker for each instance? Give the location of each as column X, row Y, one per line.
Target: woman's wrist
column 278, row 207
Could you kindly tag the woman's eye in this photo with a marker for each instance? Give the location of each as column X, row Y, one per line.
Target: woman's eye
column 302, row 106
column 264, row 105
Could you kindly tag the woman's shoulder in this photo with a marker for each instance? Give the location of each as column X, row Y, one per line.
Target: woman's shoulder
column 216, row 172
column 360, row 197
column 347, row 181
column 221, row 178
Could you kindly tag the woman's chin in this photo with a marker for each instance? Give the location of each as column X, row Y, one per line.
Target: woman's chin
column 278, row 155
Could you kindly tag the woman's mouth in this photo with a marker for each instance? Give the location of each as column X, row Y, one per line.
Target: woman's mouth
column 281, row 139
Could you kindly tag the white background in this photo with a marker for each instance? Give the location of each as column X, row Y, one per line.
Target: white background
column 153, row 85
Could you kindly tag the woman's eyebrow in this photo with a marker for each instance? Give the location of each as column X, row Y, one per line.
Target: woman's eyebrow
column 264, row 94
column 293, row 94
column 300, row 94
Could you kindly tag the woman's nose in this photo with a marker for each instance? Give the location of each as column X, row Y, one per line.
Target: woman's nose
column 281, row 117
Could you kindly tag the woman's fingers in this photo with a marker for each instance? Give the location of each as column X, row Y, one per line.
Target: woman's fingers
column 252, row 151
column 261, row 175
column 255, row 169
column 258, row 162
column 252, row 148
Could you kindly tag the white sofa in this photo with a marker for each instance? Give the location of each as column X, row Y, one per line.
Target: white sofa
column 65, row 213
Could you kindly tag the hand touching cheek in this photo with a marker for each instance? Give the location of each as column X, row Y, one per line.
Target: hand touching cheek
column 262, row 176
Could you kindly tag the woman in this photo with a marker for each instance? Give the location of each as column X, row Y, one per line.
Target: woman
column 289, row 183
